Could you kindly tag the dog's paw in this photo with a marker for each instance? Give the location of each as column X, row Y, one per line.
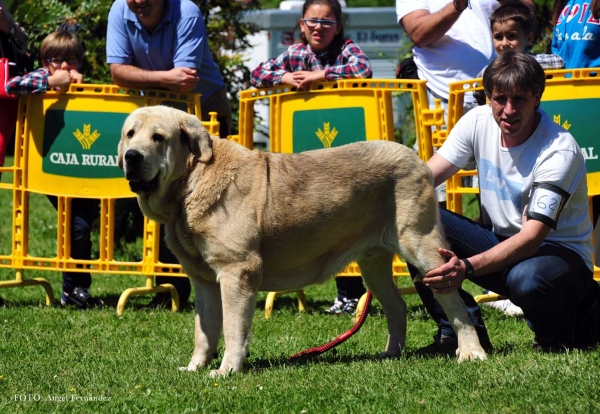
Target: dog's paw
column 471, row 355
column 221, row 373
column 390, row 354
column 192, row 366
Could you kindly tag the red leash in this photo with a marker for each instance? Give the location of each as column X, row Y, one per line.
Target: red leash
column 326, row 347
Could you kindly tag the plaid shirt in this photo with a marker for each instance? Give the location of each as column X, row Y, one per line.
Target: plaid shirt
column 31, row 83
column 350, row 63
column 549, row 61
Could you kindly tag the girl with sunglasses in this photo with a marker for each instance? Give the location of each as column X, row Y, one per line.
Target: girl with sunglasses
column 324, row 53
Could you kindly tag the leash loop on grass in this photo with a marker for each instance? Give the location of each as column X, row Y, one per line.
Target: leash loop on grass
column 341, row 338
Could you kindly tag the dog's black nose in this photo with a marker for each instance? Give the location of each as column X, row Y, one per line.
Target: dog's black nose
column 133, row 157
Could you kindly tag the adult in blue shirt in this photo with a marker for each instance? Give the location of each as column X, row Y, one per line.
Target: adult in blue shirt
column 164, row 44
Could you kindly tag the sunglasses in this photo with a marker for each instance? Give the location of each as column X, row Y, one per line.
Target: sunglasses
column 59, row 61
column 325, row 24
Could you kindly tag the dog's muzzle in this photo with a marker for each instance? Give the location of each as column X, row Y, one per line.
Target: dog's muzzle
column 134, row 161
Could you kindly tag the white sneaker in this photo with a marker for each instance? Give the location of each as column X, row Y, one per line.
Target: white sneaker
column 506, row 306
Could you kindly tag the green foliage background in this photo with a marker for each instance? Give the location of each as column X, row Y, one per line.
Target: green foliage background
column 227, row 36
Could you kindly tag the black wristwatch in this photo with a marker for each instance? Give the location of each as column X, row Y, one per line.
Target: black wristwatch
column 469, row 271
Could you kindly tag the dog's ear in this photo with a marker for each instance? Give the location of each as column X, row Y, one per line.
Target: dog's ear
column 120, row 151
column 199, row 138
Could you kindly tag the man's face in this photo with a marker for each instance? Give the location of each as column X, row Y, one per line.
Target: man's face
column 147, row 10
column 515, row 114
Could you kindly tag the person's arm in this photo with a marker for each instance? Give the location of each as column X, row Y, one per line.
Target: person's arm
column 35, row 82
column 424, row 27
column 177, row 79
column 272, row 72
column 510, row 251
column 441, row 168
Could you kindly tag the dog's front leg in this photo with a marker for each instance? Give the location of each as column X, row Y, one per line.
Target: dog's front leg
column 208, row 322
column 468, row 341
column 238, row 291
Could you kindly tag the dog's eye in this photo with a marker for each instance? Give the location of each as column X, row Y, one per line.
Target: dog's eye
column 157, row 138
column 130, row 133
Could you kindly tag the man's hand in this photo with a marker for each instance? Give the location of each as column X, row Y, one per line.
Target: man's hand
column 181, row 80
column 449, row 276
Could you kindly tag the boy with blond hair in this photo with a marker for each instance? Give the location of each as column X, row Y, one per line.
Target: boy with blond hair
column 61, row 54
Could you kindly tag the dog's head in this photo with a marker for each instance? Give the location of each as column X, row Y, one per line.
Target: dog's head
column 155, row 145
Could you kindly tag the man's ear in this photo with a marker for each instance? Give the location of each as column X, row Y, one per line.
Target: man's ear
column 198, row 137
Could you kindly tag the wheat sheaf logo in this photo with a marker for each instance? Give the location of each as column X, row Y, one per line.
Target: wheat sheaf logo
column 86, row 138
column 327, row 135
column 565, row 124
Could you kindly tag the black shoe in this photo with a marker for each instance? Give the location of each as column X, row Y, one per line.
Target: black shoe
column 81, row 298
column 442, row 345
column 161, row 301
column 551, row 346
column 587, row 324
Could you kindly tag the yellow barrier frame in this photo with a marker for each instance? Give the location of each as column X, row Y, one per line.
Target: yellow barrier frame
column 19, row 258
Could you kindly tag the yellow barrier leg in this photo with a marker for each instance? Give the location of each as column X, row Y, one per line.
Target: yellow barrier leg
column 148, row 289
column 271, row 298
column 19, row 282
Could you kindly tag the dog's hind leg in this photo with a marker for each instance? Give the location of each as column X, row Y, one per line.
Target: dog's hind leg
column 376, row 269
column 421, row 251
column 208, row 322
column 469, row 347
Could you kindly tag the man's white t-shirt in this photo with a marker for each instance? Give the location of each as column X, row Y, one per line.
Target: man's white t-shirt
column 462, row 52
column 506, row 175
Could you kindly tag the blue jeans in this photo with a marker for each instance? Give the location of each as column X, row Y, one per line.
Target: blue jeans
column 554, row 287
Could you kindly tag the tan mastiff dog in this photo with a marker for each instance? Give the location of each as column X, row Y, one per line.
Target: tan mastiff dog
column 240, row 221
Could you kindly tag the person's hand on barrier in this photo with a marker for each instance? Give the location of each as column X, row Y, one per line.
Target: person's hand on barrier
column 305, row 78
column 288, row 79
column 302, row 79
column 76, row 77
column 59, row 78
column 447, row 277
column 182, row 80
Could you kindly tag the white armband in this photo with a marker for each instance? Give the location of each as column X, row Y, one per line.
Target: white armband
column 546, row 201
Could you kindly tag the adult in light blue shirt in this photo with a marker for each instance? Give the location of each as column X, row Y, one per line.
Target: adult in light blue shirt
column 164, row 44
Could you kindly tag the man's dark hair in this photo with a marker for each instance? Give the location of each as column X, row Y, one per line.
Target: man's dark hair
column 514, row 71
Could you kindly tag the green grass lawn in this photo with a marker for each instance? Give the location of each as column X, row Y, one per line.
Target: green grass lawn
column 56, row 360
